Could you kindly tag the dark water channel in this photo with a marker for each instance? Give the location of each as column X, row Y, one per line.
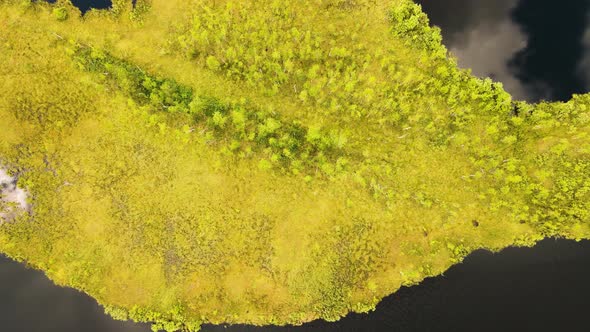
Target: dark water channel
column 539, row 49
column 86, row 5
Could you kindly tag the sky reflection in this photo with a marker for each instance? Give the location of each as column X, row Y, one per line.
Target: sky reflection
column 536, row 49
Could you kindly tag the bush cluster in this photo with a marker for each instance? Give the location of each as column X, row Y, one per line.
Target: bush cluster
column 245, row 129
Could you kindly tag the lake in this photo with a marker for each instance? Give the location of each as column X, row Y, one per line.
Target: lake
column 540, row 52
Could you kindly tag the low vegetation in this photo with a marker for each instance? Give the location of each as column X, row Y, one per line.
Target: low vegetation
column 267, row 162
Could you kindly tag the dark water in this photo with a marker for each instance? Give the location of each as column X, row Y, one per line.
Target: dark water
column 29, row 302
column 552, row 57
column 539, row 49
column 85, row 5
column 544, row 288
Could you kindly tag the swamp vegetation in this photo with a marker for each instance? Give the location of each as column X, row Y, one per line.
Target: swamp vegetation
column 267, row 162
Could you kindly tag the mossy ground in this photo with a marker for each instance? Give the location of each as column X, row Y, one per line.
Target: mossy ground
column 268, row 162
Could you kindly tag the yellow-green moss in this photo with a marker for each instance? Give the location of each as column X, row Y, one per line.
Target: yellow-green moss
column 268, row 162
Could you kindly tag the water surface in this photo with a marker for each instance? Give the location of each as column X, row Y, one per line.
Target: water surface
column 539, row 289
column 539, row 49
column 29, row 302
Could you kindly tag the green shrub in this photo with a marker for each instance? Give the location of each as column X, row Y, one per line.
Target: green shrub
column 60, row 13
